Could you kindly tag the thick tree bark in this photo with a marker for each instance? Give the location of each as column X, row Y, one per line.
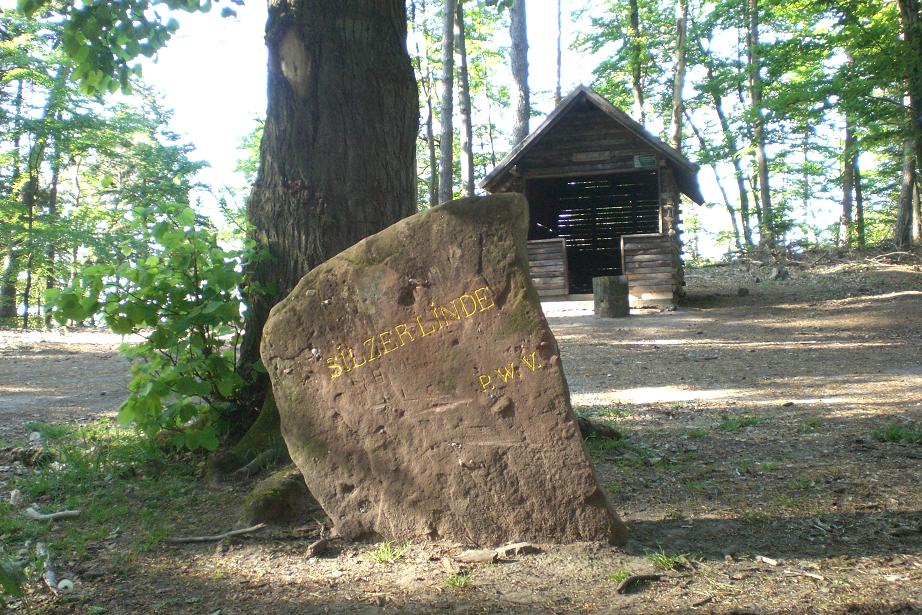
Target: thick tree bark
column 902, row 234
column 916, row 215
column 521, row 97
column 447, row 133
column 636, row 62
column 464, row 104
column 767, row 222
column 337, row 155
column 678, row 79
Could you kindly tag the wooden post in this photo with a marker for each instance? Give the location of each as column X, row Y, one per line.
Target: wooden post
column 610, row 295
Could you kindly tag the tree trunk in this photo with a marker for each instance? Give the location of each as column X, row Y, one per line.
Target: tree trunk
column 10, row 270
column 733, row 150
column 848, row 186
column 557, row 92
column 678, row 79
column 912, row 35
column 706, row 149
column 8, row 276
column 521, row 103
column 636, row 62
column 50, row 249
column 767, row 225
column 902, row 235
column 337, row 158
column 464, row 102
column 859, row 205
column 433, row 156
column 916, row 215
column 447, row 132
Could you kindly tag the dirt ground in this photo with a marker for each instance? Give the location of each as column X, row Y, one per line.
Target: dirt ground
column 750, row 450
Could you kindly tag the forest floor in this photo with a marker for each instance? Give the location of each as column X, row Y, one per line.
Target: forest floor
column 772, row 463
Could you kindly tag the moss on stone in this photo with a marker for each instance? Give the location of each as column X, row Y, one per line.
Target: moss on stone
column 282, row 497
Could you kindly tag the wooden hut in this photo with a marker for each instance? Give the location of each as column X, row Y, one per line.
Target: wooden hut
column 604, row 199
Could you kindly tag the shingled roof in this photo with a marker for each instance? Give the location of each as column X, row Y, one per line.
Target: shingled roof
column 685, row 170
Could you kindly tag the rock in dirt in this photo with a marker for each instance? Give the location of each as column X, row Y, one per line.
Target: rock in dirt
column 421, row 391
column 477, row 556
column 281, row 498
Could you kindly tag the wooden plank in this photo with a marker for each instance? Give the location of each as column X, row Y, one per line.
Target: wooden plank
column 546, row 282
column 545, row 262
column 670, row 269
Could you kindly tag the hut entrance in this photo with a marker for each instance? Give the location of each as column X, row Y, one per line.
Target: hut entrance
column 591, row 214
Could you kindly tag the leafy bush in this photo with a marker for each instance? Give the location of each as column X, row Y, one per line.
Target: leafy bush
column 176, row 288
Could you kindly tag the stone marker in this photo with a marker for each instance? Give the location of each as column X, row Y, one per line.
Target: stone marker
column 610, row 296
column 421, row 392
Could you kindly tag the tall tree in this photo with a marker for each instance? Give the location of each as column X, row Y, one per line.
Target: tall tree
column 678, row 80
column 521, row 97
column 754, row 64
column 464, row 105
column 447, row 133
column 337, row 154
column 637, row 58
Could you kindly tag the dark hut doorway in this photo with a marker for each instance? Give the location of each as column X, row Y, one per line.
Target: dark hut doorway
column 591, row 214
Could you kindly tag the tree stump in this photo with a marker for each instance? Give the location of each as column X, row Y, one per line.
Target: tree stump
column 610, row 294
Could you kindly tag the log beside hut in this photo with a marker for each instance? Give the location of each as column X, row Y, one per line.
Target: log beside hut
column 604, row 199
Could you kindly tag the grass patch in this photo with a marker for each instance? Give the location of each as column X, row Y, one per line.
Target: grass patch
column 605, row 412
column 737, row 423
column 898, row 433
column 601, row 448
column 130, row 494
column 389, row 552
column 768, row 466
column 459, row 581
column 697, row 433
column 696, row 486
column 664, row 561
column 811, row 426
column 620, row 574
column 756, row 516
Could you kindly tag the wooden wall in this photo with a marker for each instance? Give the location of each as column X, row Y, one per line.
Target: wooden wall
column 584, row 142
column 547, row 261
column 653, row 269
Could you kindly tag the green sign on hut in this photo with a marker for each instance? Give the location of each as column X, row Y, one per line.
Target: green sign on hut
column 604, row 199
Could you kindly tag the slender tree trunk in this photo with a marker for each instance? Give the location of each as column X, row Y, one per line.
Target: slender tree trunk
column 447, row 133
column 846, row 220
column 10, row 270
column 912, row 35
column 766, row 228
column 557, row 92
column 50, row 250
column 464, row 102
column 916, row 215
column 521, row 102
column 337, row 158
column 706, row 149
column 636, row 62
column 678, row 79
column 859, row 205
column 730, row 143
column 8, row 276
column 902, row 235
column 433, row 156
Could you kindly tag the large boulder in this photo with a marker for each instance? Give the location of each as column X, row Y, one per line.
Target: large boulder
column 421, row 391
